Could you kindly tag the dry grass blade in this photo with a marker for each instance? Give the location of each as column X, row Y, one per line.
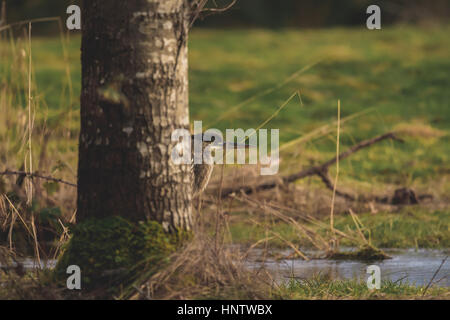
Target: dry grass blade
column 290, row 244
column 358, row 225
column 29, row 184
column 254, row 245
column 35, row 239
column 315, row 239
column 200, row 270
column 20, row 23
column 263, row 93
column 323, row 130
column 11, row 228
column 337, row 169
column 273, row 115
column 32, row 231
column 219, row 213
column 18, row 214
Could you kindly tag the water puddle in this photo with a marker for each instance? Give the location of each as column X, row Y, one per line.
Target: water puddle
column 406, row 266
column 29, row 264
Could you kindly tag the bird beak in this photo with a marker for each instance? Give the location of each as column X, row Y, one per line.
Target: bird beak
column 233, row 145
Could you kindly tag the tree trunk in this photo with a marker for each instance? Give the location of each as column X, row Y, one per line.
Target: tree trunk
column 134, row 94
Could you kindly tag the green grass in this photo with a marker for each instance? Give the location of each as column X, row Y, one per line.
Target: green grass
column 400, row 75
column 403, row 73
column 406, row 229
column 321, row 287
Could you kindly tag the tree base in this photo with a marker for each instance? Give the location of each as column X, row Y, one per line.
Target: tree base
column 113, row 252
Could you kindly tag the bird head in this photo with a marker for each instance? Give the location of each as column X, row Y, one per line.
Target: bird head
column 216, row 142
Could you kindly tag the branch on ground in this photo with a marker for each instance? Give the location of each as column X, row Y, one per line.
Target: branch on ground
column 36, row 175
column 319, row 170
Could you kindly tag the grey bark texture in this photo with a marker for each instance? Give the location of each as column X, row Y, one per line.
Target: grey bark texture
column 134, row 94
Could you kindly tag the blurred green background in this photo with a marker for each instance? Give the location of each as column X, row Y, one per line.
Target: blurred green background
column 275, row 14
column 245, row 64
column 396, row 78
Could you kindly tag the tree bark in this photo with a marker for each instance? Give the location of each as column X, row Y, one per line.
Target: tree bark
column 134, row 94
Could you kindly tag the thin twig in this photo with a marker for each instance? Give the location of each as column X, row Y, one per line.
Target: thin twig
column 232, row 3
column 199, row 6
column 20, row 23
column 36, row 175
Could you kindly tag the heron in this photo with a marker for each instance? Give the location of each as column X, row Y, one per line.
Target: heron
column 202, row 171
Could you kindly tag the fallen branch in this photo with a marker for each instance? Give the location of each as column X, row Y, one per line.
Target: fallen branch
column 36, row 175
column 319, row 170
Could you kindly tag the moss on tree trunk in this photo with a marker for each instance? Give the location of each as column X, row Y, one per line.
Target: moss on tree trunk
column 114, row 251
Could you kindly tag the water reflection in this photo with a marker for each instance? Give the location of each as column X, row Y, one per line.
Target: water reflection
column 407, row 266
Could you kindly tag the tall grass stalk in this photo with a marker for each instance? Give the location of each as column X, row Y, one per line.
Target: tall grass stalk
column 337, row 171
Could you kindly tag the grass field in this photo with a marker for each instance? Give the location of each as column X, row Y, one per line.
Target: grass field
column 405, row 229
column 399, row 76
column 397, row 79
column 402, row 73
column 322, row 288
